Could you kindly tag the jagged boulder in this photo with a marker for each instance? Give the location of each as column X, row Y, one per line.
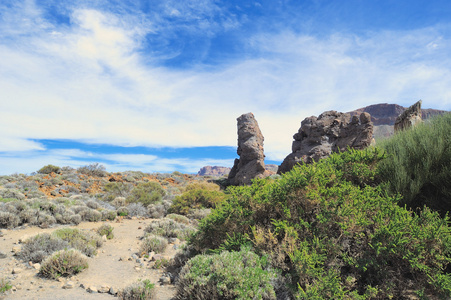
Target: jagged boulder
column 409, row 118
column 331, row 132
column 251, row 163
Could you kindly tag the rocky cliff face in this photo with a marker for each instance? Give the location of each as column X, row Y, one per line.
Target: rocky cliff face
column 409, row 118
column 331, row 132
column 250, row 149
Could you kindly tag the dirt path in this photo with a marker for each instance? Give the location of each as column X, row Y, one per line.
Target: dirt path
column 115, row 266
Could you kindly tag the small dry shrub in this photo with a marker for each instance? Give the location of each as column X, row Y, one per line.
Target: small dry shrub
column 141, row 290
column 136, row 210
column 156, row 211
column 153, row 243
column 169, row 228
column 63, row 263
column 178, row 218
column 107, row 230
column 8, row 220
column 40, row 246
column 108, row 215
column 85, row 241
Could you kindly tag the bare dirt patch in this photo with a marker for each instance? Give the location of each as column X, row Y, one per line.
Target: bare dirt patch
column 116, row 265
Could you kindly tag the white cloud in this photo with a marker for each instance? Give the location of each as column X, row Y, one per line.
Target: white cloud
column 91, row 81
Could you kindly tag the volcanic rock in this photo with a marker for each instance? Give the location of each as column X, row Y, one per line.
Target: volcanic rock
column 251, row 163
column 409, row 118
column 331, row 132
column 213, row 171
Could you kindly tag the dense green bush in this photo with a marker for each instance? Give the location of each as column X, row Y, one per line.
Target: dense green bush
column 334, row 233
column 229, row 275
column 49, row 169
column 141, row 290
column 146, row 193
column 419, row 164
column 63, row 263
column 196, row 198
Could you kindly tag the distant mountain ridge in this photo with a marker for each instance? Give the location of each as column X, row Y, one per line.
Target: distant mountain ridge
column 386, row 114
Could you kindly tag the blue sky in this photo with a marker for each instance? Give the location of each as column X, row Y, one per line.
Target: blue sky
column 157, row 86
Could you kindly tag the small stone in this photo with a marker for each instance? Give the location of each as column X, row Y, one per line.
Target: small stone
column 61, row 279
column 92, row 289
column 112, row 291
column 17, row 271
column 104, row 239
column 37, row 266
column 104, row 289
column 3, row 255
column 69, row 285
column 23, row 239
column 16, row 249
column 134, row 256
column 14, row 288
column 165, row 280
column 137, row 268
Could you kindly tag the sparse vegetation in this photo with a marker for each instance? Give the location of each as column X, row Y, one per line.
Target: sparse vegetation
column 5, row 285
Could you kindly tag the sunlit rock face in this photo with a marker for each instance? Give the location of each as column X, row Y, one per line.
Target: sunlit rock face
column 330, row 132
column 251, row 163
column 409, row 118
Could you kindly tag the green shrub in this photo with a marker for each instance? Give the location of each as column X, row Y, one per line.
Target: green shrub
column 419, row 164
column 229, row 275
column 334, row 233
column 5, row 285
column 146, row 193
column 63, row 263
column 40, row 246
column 85, row 241
column 196, row 199
column 49, row 169
column 108, row 215
column 107, row 230
column 153, row 243
column 141, row 290
column 117, row 189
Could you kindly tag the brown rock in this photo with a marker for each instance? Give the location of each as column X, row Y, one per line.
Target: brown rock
column 251, row 163
column 331, row 132
column 409, row 118
column 213, row 171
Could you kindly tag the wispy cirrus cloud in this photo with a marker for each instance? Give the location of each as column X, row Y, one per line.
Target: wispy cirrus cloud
column 101, row 75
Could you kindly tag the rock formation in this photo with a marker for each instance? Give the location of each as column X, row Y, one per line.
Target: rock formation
column 331, row 132
column 409, row 118
column 250, row 149
column 213, row 171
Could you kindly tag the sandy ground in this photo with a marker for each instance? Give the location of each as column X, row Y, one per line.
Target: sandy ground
column 111, row 267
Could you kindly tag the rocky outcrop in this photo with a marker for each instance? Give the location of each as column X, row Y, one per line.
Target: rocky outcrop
column 251, row 163
column 409, row 118
column 386, row 114
column 213, row 171
column 331, row 132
